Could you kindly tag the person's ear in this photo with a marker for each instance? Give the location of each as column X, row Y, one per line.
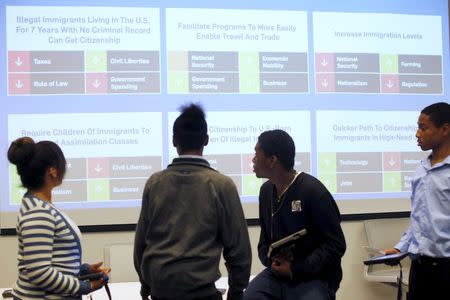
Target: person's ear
column 273, row 160
column 174, row 143
column 53, row 172
column 206, row 140
column 445, row 129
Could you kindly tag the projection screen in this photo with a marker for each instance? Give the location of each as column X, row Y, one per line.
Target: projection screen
column 105, row 80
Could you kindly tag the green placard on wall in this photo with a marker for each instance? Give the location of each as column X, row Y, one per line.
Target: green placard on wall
column 251, row 185
column 392, row 182
column 96, row 61
column 98, row 190
column 389, row 63
column 249, row 72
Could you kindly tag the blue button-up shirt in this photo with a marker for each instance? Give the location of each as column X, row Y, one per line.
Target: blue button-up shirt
column 429, row 231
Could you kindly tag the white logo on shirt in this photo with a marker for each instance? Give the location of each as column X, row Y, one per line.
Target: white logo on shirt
column 296, row 206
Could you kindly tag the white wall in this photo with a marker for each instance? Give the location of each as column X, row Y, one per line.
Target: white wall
column 353, row 285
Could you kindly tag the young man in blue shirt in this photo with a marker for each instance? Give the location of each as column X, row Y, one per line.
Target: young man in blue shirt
column 428, row 238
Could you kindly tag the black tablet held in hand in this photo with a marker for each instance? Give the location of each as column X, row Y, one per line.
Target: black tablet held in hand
column 7, row 293
column 275, row 247
column 92, row 276
column 389, row 259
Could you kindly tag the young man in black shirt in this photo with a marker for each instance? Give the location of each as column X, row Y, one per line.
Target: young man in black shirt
column 288, row 202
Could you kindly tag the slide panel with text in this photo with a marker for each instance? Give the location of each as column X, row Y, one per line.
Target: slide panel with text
column 378, row 53
column 236, row 51
column 76, row 50
column 109, row 156
column 366, row 151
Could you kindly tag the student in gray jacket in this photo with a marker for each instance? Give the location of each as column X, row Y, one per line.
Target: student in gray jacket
column 190, row 214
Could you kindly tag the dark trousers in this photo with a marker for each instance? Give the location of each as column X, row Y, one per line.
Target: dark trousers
column 217, row 296
column 267, row 286
column 429, row 278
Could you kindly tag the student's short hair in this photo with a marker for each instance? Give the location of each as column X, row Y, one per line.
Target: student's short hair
column 280, row 144
column 439, row 113
column 34, row 159
column 190, row 130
